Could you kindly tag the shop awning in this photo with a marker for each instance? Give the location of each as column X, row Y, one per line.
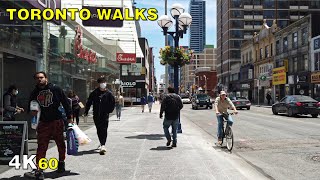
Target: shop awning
column 123, row 39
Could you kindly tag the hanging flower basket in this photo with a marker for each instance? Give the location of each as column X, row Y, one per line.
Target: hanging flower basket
column 175, row 56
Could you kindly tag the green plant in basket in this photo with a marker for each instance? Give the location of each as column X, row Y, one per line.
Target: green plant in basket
column 175, row 56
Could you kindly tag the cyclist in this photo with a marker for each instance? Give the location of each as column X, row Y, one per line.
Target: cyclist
column 222, row 103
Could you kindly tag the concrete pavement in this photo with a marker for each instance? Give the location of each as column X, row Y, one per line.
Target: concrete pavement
column 136, row 150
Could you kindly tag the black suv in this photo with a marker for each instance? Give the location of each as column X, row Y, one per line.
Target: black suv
column 201, row 100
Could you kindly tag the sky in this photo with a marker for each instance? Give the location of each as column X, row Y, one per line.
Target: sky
column 152, row 31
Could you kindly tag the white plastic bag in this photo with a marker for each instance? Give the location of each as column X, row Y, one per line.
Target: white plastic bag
column 80, row 135
column 34, row 106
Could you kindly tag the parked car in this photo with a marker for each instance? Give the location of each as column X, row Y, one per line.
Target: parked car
column 297, row 104
column 185, row 99
column 201, row 100
column 241, row 102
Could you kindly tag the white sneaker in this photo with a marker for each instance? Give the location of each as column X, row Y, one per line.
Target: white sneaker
column 103, row 150
column 99, row 147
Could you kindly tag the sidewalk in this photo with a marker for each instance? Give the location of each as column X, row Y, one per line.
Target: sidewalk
column 136, row 150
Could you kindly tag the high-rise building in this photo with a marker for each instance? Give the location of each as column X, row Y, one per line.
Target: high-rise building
column 197, row 10
column 238, row 20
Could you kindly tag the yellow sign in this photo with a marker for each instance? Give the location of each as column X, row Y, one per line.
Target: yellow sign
column 279, row 76
column 315, row 78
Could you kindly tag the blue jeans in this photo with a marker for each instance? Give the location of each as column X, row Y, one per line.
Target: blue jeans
column 174, row 124
column 220, row 125
column 118, row 110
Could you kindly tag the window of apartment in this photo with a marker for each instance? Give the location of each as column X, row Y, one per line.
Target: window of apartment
column 295, row 64
column 268, row 4
column 236, row 3
column 295, row 40
column 269, row 14
column 278, row 47
column 315, row 4
column 284, row 14
column 285, row 44
column 257, row 13
column 304, row 36
column 237, row 34
column 236, row 14
column 271, row 49
column 261, row 53
column 247, row 2
column 236, row 24
column 257, row 2
column 294, row 3
column 235, row 54
column 235, row 43
column 283, row 23
column 305, row 62
column 266, row 51
column 248, row 13
column 283, row 4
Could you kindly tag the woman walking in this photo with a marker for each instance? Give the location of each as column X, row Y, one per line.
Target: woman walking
column 119, row 104
column 75, row 105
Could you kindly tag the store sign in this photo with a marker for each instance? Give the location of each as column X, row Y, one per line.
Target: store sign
column 245, row 86
column 79, row 51
column 315, row 78
column 136, row 68
column 301, row 79
column 44, row 4
column 128, row 84
column 250, row 76
column 96, row 22
column 316, row 44
column 279, row 76
column 126, row 58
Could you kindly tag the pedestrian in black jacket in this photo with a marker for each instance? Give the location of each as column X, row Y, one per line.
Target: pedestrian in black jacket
column 103, row 103
column 50, row 97
column 171, row 105
column 10, row 104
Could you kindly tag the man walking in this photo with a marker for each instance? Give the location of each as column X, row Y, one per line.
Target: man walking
column 49, row 96
column 143, row 103
column 103, row 103
column 171, row 105
column 269, row 98
column 150, row 102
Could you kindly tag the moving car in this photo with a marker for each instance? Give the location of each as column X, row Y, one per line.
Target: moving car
column 185, row 99
column 241, row 102
column 297, row 104
column 201, row 100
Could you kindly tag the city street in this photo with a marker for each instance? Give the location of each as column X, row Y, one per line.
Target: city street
column 280, row 147
column 266, row 147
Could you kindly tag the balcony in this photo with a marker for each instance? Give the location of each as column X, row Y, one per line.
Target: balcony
column 294, row 7
column 248, row 7
column 248, row 16
column 260, row 17
column 304, row 7
column 258, row 7
column 257, row 27
column 248, row 36
column 248, row 27
column 294, row 17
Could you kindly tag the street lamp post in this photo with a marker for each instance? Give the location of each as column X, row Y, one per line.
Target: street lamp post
column 182, row 22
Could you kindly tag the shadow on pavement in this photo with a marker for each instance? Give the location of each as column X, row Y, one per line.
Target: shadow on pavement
column 161, row 148
column 49, row 175
column 222, row 148
column 81, row 153
column 147, row 136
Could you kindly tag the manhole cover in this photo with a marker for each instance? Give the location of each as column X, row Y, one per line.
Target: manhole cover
column 316, row 158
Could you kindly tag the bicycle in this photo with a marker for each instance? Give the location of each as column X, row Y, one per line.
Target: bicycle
column 227, row 131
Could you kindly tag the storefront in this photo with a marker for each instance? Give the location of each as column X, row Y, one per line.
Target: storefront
column 315, row 66
column 246, row 90
column 315, row 82
column 133, row 91
column 279, row 81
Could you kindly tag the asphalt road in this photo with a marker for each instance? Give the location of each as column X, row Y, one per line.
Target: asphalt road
column 278, row 146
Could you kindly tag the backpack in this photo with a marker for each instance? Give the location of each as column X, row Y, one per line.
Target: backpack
column 172, row 106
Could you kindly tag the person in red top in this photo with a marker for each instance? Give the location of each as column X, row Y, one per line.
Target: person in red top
column 50, row 97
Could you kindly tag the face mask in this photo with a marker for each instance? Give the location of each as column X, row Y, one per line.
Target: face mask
column 16, row 92
column 103, row 85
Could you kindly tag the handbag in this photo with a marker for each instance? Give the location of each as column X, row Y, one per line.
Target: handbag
column 81, row 105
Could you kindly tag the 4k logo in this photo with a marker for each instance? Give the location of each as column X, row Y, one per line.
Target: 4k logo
column 28, row 161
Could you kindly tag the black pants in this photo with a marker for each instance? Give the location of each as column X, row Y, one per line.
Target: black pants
column 102, row 123
column 76, row 115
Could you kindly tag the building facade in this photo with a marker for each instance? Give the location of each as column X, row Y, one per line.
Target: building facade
column 206, row 59
column 197, row 10
column 247, row 70
column 293, row 51
column 237, row 20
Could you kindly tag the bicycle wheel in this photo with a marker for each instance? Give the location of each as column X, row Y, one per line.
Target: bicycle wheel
column 229, row 138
